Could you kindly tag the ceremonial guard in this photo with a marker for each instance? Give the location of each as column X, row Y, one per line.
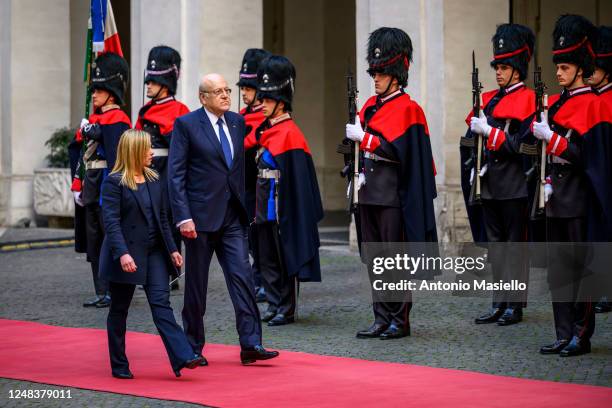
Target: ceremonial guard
column 101, row 133
column 573, row 117
column 288, row 203
column 600, row 81
column 397, row 185
column 253, row 117
column 158, row 115
column 504, row 121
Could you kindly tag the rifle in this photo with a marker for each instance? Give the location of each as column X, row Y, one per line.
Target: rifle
column 348, row 148
column 539, row 165
column 478, row 144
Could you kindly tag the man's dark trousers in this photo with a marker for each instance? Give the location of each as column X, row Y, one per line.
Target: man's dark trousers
column 231, row 246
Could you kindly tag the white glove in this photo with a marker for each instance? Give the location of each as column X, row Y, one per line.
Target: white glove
column 361, row 181
column 483, row 170
column 77, row 198
column 541, row 130
column 84, row 122
column 354, row 132
column 479, row 125
column 548, row 190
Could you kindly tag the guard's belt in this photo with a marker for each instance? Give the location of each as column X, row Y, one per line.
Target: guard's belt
column 160, row 152
column 269, row 174
column 375, row 157
column 95, row 164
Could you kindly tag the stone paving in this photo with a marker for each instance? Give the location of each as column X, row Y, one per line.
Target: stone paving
column 49, row 285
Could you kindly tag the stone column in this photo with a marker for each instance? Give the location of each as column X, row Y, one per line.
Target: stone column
column 34, row 92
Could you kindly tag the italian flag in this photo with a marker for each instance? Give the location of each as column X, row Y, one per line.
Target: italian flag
column 105, row 35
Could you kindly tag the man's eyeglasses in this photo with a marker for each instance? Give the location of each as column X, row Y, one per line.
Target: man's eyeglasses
column 218, row 92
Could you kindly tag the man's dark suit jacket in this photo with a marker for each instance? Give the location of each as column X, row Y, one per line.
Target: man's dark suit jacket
column 200, row 184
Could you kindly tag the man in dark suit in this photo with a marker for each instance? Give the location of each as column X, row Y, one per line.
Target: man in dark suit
column 206, row 186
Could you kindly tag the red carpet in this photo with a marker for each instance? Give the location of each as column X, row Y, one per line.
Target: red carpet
column 79, row 358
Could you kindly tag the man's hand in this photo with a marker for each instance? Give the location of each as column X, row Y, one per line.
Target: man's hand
column 127, row 263
column 354, row 132
column 188, row 230
column 177, row 259
column 77, row 198
column 541, row 130
column 84, row 122
column 479, row 125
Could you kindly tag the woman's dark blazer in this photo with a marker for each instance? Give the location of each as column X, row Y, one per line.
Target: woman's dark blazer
column 127, row 231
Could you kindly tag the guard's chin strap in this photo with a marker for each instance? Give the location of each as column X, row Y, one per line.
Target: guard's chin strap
column 105, row 102
column 598, row 85
column 274, row 110
column 161, row 88
column 573, row 80
column 388, row 86
column 510, row 79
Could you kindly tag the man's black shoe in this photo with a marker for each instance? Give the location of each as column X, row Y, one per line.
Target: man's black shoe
column 268, row 315
column 373, row 331
column 576, row 347
column 104, row 302
column 603, row 306
column 124, row 376
column 281, row 320
column 250, row 355
column 394, row 332
column 510, row 316
column 554, row 348
column 93, row 302
column 490, row 317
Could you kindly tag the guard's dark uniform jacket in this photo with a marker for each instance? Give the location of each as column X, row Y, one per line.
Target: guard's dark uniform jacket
column 597, row 150
column 398, row 163
column 509, row 112
column 290, row 197
column 253, row 118
column 573, row 115
column 157, row 118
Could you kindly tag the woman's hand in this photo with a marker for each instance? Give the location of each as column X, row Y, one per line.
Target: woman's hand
column 127, row 263
column 177, row 259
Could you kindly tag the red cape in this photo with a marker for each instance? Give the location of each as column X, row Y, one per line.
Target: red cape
column 162, row 114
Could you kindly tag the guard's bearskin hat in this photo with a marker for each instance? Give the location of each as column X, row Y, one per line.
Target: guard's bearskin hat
column 276, row 80
column 250, row 64
column 110, row 72
column 603, row 49
column 390, row 52
column 572, row 42
column 513, row 45
column 163, row 67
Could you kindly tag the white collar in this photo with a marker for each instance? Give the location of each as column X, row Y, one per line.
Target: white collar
column 214, row 118
column 386, row 98
column 513, row 87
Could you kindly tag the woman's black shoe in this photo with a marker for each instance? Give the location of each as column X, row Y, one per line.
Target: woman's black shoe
column 124, row 376
column 190, row 364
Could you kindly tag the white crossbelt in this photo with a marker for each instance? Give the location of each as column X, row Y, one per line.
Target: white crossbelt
column 268, row 174
column 375, row 157
column 160, row 152
column 95, row 164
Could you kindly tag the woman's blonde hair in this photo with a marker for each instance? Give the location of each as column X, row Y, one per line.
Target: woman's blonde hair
column 133, row 146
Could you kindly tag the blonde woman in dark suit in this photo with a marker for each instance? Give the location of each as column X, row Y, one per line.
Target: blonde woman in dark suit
column 138, row 249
